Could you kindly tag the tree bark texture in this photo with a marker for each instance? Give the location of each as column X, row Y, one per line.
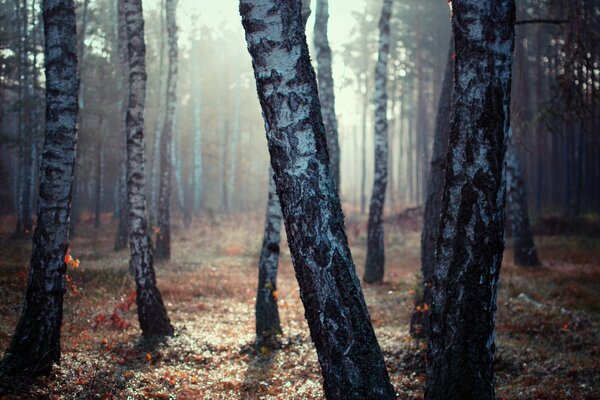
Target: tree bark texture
column 163, row 237
column 151, row 310
column 471, row 231
column 350, row 357
column 375, row 263
column 267, row 314
column 419, row 323
column 35, row 346
column 123, row 77
column 516, row 204
column 326, row 92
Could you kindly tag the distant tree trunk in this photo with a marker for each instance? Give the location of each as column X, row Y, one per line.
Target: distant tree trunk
column 471, row 231
column 159, row 120
column 374, row 266
column 363, row 176
column 151, row 310
column 123, row 79
column 233, row 145
column 267, row 314
column 419, row 323
column 163, row 237
column 197, row 142
column 35, row 346
column 99, row 184
column 516, row 203
column 350, row 357
column 326, row 93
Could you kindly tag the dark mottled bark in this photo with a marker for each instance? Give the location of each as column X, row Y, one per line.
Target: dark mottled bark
column 375, row 264
column 516, row 207
column 267, row 314
column 163, row 237
column 419, row 323
column 471, row 232
column 350, row 357
column 121, row 237
column 325, row 80
column 35, row 346
column 151, row 310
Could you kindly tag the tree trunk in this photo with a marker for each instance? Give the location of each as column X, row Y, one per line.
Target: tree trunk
column 516, row 203
column 197, row 101
column 233, row 145
column 163, row 237
column 35, row 346
column 267, row 314
column 471, row 231
column 350, row 357
column 374, row 266
column 419, row 323
column 99, row 185
column 123, row 79
column 151, row 310
column 326, row 92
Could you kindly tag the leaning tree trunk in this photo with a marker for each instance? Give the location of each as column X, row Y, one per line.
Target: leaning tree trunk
column 151, row 310
column 163, row 237
column 35, row 346
column 123, row 84
column 326, row 94
column 516, row 204
column 419, row 322
column 471, row 232
column 267, row 314
column 374, row 266
column 350, row 357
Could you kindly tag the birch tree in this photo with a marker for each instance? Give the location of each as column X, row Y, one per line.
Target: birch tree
column 419, row 323
column 374, row 266
column 471, row 237
column 35, row 345
column 152, row 314
column 349, row 355
column 163, row 237
column 325, row 80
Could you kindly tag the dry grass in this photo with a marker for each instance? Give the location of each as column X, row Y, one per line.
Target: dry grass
column 548, row 319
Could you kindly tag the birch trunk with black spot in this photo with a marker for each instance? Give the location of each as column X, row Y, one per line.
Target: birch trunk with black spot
column 123, row 85
column 419, row 323
column 349, row 355
column 163, row 237
column 325, row 80
column 471, row 231
column 35, row 345
column 516, row 207
column 152, row 314
column 375, row 263
column 267, row 313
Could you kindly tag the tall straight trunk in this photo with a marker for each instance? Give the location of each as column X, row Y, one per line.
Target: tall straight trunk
column 152, row 314
column 419, row 323
column 233, row 145
column 123, row 84
column 158, row 122
column 363, row 176
column 163, row 237
column 28, row 128
column 350, row 357
column 197, row 141
column 516, row 203
column 471, row 231
column 374, row 266
column 267, row 314
column 99, row 184
column 35, row 345
column 325, row 80
column 78, row 194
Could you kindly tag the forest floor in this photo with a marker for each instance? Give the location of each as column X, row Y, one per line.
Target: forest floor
column 548, row 322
